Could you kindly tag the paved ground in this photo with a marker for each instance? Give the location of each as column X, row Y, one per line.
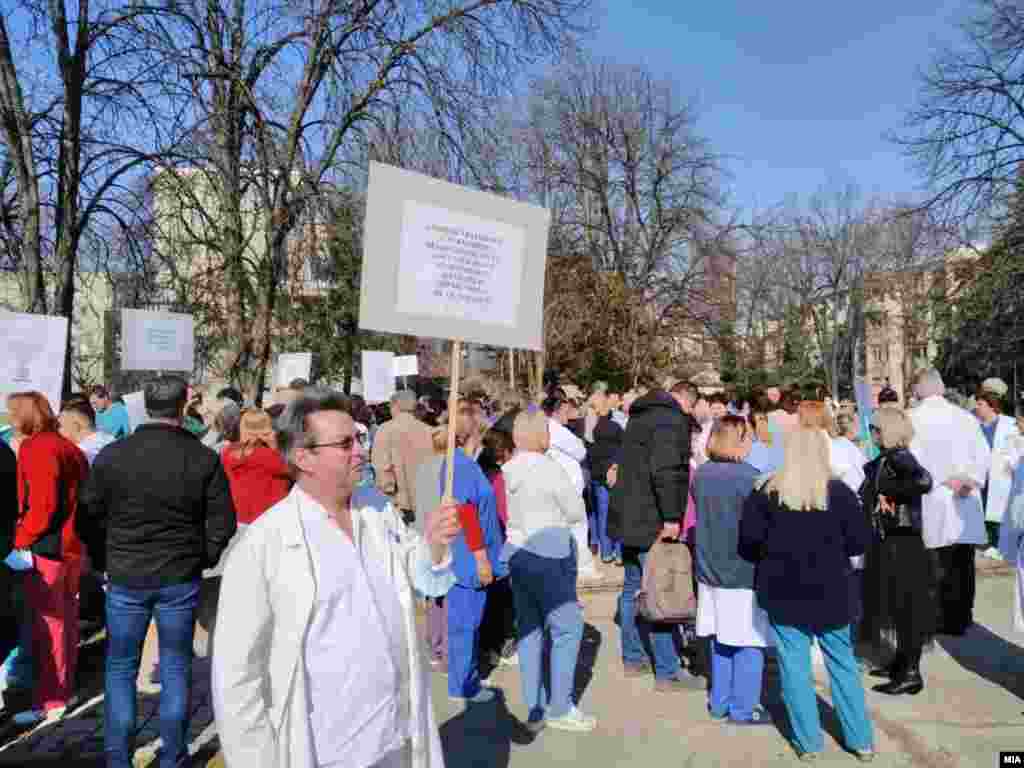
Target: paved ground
column 972, row 707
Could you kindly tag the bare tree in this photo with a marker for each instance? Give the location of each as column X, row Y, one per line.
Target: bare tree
column 615, row 152
column 966, row 132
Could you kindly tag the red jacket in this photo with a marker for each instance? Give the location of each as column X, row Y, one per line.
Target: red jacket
column 258, row 481
column 51, row 471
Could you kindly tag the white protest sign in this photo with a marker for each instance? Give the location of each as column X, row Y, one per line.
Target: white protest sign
column 378, row 376
column 32, row 349
column 291, row 366
column 406, row 365
column 450, row 262
column 156, row 341
column 135, row 404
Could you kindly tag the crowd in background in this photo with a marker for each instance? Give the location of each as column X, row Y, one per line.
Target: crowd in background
column 807, row 537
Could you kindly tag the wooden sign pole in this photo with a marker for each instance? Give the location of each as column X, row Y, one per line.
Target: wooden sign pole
column 512, row 368
column 453, row 415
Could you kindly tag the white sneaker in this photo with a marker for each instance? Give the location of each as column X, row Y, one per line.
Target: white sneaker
column 573, row 720
column 509, row 661
column 992, row 553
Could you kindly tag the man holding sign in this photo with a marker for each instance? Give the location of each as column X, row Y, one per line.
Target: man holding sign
column 293, row 684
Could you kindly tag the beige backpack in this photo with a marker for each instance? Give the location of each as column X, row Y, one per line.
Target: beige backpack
column 666, row 588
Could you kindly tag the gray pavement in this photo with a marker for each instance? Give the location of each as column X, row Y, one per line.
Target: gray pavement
column 972, row 706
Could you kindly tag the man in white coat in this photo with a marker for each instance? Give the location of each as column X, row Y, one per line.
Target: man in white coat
column 317, row 661
column 949, row 443
column 1001, row 434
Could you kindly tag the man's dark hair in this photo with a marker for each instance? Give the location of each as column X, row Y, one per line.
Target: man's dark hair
column 99, row 390
column 718, row 397
column 230, row 393
column 888, row 395
column 165, row 397
column 82, row 407
column 292, row 427
column 298, row 384
column 552, row 405
column 995, row 402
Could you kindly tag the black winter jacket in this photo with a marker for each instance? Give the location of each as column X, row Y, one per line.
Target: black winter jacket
column 898, row 475
column 605, row 449
column 156, row 509
column 8, row 497
column 654, row 471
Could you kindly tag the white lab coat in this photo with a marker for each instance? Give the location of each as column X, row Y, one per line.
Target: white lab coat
column 1005, row 452
column 267, row 599
column 948, row 442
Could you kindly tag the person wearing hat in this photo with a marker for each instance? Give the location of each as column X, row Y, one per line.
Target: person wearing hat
column 399, row 447
column 999, row 431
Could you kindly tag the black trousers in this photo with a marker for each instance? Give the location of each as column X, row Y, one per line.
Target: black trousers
column 954, row 576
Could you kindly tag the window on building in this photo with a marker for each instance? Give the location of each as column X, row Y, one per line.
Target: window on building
column 878, row 354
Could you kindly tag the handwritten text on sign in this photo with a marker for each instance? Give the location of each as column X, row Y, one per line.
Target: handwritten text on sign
column 459, row 266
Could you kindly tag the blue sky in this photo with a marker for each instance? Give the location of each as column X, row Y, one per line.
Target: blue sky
column 797, row 92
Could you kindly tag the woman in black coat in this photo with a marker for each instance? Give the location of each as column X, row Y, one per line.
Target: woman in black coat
column 899, row 583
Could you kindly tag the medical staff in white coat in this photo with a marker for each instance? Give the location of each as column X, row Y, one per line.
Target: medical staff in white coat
column 317, row 661
column 948, row 442
column 1011, row 532
column 1001, row 433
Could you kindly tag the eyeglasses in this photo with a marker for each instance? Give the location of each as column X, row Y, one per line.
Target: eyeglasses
column 345, row 444
column 873, row 428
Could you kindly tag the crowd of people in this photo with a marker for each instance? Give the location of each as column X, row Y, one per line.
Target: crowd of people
column 299, row 522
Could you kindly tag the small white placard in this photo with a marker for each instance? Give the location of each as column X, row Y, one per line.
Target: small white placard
column 458, row 266
column 406, row 365
column 135, row 404
column 292, row 366
column 156, row 341
column 32, row 349
column 378, row 376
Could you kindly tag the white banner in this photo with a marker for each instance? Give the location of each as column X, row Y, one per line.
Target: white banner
column 156, row 341
column 135, row 404
column 291, row 366
column 378, row 376
column 32, row 349
column 407, row 365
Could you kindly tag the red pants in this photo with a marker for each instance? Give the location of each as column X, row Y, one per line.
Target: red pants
column 51, row 591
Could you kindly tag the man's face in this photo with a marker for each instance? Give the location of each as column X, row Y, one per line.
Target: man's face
column 338, row 457
column 984, row 411
column 718, row 410
column 615, row 401
column 99, row 404
column 600, row 402
column 773, row 394
column 562, row 414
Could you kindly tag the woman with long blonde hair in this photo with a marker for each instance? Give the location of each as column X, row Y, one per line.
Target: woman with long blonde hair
column 799, row 529
column 258, row 476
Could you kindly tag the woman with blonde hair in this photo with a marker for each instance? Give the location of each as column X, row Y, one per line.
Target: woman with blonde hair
column 899, row 579
column 727, row 608
column 257, row 475
column 799, row 529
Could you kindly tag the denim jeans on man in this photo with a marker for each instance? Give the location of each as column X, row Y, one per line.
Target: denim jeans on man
column 799, row 697
column 128, row 615
column 736, row 674
column 544, row 589
column 637, row 633
column 609, row 548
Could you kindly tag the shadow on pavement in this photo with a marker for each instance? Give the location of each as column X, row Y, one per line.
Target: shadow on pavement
column 482, row 735
column 988, row 655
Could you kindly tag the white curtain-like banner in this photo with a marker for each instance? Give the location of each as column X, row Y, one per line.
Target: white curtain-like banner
column 378, row 376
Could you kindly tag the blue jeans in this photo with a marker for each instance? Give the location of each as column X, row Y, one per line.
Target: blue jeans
column 465, row 612
column 609, row 547
column 794, row 647
column 638, row 633
column 736, row 675
column 128, row 615
column 544, row 590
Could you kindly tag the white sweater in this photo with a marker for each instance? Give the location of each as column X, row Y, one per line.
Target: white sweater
column 543, row 505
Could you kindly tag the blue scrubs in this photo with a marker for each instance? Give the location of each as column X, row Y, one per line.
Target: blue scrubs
column 465, row 602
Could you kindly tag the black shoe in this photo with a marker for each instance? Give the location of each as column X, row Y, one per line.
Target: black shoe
column 911, row 685
column 890, row 670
